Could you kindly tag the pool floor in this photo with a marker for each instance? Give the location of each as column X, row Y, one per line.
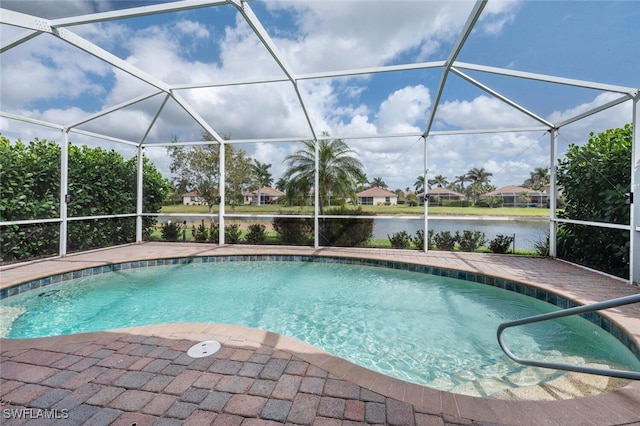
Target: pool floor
column 142, row 375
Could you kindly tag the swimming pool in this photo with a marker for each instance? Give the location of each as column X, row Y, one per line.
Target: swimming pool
column 409, row 325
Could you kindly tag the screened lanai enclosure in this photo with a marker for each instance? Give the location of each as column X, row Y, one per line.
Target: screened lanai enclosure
column 414, row 89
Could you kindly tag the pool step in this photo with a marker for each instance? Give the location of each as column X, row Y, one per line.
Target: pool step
column 541, row 384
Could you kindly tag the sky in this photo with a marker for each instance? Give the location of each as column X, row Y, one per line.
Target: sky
column 50, row 80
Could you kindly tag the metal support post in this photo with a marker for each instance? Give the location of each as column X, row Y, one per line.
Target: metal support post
column 634, row 247
column 65, row 197
column 139, row 194
column 426, row 197
column 553, row 194
column 221, row 191
column 316, row 197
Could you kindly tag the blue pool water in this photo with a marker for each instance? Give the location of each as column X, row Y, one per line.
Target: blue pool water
column 422, row 328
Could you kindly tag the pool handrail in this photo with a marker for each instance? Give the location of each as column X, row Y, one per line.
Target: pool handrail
column 611, row 303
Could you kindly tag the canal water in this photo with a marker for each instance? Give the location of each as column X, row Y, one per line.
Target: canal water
column 527, row 232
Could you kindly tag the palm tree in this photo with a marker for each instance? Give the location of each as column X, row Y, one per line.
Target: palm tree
column 263, row 176
column 379, row 183
column 281, row 184
column 419, row 184
column 538, row 179
column 461, row 180
column 439, row 181
column 339, row 170
column 479, row 179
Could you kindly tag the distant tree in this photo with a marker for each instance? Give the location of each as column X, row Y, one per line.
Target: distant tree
column 461, row 181
column 200, row 167
column 492, row 200
column 281, row 184
column 594, row 179
column 339, row 170
column 524, row 198
column 480, row 183
column 538, row 179
column 263, row 176
column 419, row 184
column 439, row 181
column 379, row 183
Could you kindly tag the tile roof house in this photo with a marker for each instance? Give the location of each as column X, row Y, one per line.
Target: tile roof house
column 513, row 196
column 377, row 196
column 267, row 195
column 442, row 193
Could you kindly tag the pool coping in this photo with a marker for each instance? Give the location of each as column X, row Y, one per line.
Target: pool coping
column 573, row 283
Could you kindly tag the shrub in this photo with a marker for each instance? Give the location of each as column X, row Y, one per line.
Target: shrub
column 470, row 240
column 257, row 233
column 199, row 234
column 346, row 232
column 542, row 246
column 456, row 203
column 418, row 239
column 400, row 240
column 501, row 243
column 444, row 240
column 170, row 231
column 293, row 230
column 214, row 232
column 232, row 233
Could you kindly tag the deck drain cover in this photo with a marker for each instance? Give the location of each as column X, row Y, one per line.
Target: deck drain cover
column 202, row 349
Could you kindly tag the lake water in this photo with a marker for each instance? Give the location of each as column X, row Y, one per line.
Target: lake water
column 527, row 232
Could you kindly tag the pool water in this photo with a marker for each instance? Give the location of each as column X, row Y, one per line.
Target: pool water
column 426, row 329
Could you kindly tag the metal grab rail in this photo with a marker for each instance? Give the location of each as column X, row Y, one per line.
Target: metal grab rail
column 612, row 303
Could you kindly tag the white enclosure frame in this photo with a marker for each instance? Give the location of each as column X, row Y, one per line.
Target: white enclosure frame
column 59, row 28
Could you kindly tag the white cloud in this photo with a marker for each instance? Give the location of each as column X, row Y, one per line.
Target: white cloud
column 482, row 112
column 497, row 14
column 193, row 28
column 403, row 109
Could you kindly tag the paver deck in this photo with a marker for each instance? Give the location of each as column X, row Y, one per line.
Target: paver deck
column 143, row 375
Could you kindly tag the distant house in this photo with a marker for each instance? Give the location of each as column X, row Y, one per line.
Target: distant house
column 377, row 196
column 192, row 199
column 267, row 195
column 442, row 194
column 518, row 196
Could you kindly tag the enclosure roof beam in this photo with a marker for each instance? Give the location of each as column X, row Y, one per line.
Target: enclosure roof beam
column 596, row 110
column 367, row 136
column 372, row 70
column 502, row 98
column 466, row 31
column 134, row 12
column 103, row 137
column 113, row 108
column 31, row 120
column 312, row 76
column 108, row 57
column 548, row 78
column 273, row 50
column 194, row 114
column 155, row 118
column 18, row 40
column 23, row 20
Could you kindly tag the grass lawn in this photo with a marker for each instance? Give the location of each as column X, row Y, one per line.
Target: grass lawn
column 374, row 210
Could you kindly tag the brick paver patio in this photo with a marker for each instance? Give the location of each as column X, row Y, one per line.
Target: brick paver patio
column 143, row 375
